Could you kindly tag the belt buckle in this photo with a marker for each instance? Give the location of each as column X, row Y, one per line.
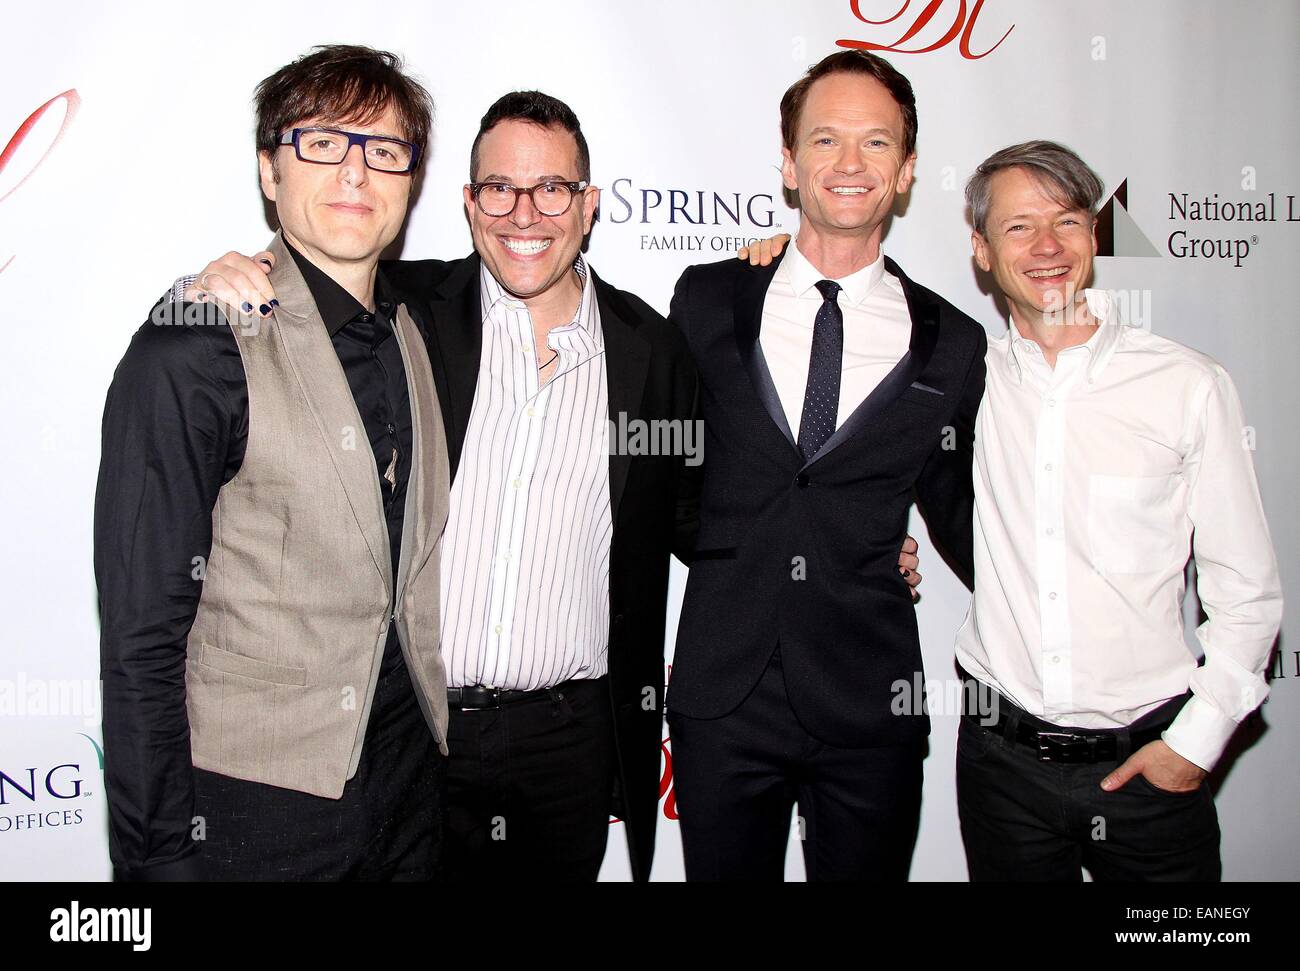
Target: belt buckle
column 494, row 693
column 1064, row 744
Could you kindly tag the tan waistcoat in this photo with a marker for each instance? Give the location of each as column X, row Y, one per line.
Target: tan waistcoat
column 285, row 651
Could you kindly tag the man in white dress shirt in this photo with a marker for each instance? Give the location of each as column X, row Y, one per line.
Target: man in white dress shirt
column 1104, row 454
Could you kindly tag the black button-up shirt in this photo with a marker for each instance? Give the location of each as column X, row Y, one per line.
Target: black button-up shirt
column 175, row 430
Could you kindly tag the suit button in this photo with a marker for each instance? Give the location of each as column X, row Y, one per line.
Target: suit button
column 802, row 480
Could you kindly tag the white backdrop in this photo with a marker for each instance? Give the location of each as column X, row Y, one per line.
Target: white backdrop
column 155, row 175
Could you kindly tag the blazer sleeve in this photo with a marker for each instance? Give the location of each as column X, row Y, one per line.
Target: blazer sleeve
column 945, row 490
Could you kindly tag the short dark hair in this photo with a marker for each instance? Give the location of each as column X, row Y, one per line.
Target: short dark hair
column 342, row 82
column 1066, row 178
column 850, row 62
column 539, row 109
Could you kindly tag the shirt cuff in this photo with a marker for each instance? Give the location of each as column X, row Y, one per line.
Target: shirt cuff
column 177, row 293
column 1200, row 733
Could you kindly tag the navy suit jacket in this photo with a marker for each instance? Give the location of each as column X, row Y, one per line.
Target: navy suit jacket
column 804, row 554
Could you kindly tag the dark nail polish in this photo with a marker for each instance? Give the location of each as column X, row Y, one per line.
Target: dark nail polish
column 907, row 573
column 263, row 310
column 246, row 308
column 265, row 263
column 274, row 302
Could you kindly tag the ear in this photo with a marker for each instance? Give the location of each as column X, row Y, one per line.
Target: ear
column 1094, row 235
column 788, row 175
column 590, row 200
column 905, row 174
column 469, row 201
column 980, row 247
column 266, row 172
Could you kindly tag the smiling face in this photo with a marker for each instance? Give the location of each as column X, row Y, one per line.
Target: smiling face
column 848, row 161
column 529, row 254
column 1037, row 247
column 337, row 214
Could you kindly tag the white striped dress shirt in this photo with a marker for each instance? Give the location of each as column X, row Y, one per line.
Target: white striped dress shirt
column 525, row 557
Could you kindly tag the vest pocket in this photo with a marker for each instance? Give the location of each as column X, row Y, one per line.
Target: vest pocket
column 248, row 667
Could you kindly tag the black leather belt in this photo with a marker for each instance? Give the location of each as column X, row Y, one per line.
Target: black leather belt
column 478, row 697
column 1054, row 745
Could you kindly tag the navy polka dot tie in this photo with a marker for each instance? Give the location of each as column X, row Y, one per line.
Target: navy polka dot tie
column 821, row 398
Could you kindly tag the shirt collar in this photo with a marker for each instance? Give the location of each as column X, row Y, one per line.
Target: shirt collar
column 336, row 306
column 802, row 276
column 1100, row 347
column 492, row 293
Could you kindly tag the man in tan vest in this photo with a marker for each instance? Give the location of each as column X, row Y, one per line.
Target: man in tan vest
column 271, row 498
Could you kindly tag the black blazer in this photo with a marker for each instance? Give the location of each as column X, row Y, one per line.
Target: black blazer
column 652, row 498
column 804, row 554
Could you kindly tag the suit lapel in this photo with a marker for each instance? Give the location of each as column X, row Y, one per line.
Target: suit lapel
column 751, row 291
column 627, row 361
column 925, row 333
column 455, row 344
column 325, row 388
column 427, row 490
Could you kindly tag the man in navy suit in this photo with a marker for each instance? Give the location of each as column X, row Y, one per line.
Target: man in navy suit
column 835, row 391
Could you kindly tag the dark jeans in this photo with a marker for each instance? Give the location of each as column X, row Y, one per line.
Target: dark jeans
column 386, row 826
column 738, row 777
column 529, row 788
column 1024, row 819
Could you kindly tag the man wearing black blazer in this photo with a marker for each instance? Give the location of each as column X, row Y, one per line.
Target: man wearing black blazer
column 649, row 378
column 829, row 405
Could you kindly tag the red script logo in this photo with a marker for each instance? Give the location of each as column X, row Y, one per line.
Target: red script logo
column 961, row 25
column 73, row 101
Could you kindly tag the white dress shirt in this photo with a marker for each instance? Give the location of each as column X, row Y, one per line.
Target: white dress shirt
column 1093, row 482
column 525, row 557
column 877, row 331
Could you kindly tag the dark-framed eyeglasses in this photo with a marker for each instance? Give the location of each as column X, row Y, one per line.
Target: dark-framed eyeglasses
column 330, row 146
column 548, row 198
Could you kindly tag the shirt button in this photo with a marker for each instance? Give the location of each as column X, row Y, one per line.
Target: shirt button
column 1056, row 659
column 517, row 483
column 527, row 348
column 496, row 629
column 1051, row 402
column 1048, row 466
column 391, row 428
column 1052, row 595
column 531, row 412
column 1051, row 531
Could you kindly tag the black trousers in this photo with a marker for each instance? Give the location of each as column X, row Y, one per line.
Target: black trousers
column 387, row 825
column 1029, row 820
column 737, row 778
column 529, row 788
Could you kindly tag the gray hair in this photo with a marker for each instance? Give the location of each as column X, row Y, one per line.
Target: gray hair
column 1063, row 175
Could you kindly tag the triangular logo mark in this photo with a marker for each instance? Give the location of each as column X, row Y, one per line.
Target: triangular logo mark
column 1117, row 233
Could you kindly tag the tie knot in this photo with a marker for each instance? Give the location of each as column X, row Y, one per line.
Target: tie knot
column 829, row 288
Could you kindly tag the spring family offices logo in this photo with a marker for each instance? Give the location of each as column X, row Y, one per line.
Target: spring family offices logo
column 691, row 220
column 27, row 156
column 43, row 796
